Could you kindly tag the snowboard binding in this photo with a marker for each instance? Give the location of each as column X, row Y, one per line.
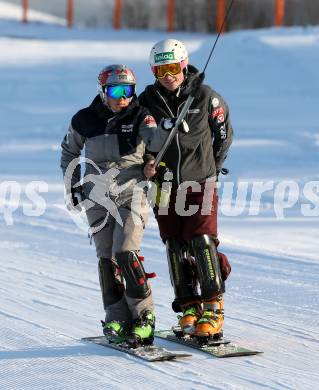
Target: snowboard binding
column 201, row 341
column 134, row 343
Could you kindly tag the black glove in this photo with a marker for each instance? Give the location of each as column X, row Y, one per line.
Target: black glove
column 77, row 195
column 73, row 200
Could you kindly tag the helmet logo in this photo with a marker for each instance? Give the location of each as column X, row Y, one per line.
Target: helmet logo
column 122, row 74
column 119, row 71
column 168, row 55
column 104, row 76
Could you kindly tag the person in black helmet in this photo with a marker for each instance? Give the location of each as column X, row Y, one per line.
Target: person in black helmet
column 196, row 154
column 115, row 131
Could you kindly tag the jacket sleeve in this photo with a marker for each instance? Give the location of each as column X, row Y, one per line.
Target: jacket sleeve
column 153, row 136
column 221, row 128
column 72, row 145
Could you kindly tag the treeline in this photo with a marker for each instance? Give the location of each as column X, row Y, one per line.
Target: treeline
column 200, row 15
column 190, row 15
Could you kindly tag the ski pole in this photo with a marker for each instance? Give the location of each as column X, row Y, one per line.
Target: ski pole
column 219, row 32
column 194, row 88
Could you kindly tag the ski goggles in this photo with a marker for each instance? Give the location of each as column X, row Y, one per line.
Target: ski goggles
column 118, row 91
column 161, row 71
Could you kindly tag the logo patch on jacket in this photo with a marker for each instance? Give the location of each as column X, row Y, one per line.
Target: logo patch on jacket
column 223, row 133
column 215, row 102
column 149, row 121
column 127, row 128
column 194, row 111
column 218, row 112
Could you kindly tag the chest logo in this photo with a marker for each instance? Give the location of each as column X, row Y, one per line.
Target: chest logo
column 127, row 128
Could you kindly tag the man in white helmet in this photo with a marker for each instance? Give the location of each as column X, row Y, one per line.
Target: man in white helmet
column 196, row 153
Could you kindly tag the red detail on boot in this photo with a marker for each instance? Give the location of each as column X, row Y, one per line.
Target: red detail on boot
column 135, row 264
column 141, row 281
column 141, row 258
column 150, row 275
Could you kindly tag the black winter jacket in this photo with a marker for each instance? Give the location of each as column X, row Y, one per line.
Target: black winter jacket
column 200, row 153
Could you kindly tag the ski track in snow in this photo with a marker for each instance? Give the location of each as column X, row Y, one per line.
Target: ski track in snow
column 57, row 304
column 49, row 292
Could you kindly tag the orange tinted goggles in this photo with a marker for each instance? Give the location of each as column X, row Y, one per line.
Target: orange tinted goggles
column 161, row 71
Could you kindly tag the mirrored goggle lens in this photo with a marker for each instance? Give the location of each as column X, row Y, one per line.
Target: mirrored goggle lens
column 118, row 91
column 171, row 69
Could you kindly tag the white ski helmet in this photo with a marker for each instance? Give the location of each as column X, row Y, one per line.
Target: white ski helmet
column 168, row 51
column 114, row 75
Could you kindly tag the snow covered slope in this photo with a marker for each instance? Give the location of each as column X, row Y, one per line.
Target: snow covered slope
column 49, row 293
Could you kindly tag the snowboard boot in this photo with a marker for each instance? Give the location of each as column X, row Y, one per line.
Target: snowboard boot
column 188, row 321
column 142, row 330
column 114, row 331
column 212, row 320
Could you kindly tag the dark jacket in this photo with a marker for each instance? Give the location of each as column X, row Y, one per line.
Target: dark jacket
column 198, row 154
column 111, row 140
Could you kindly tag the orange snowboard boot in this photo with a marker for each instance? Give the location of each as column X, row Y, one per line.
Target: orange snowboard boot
column 212, row 320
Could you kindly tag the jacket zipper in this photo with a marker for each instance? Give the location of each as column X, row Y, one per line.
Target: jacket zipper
column 179, row 160
column 177, row 138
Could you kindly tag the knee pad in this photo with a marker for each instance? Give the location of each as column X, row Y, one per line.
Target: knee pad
column 134, row 274
column 182, row 273
column 208, row 265
column 110, row 281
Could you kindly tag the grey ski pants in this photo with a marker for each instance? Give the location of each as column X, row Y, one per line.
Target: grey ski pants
column 111, row 238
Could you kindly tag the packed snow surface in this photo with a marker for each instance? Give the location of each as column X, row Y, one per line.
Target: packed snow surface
column 49, row 292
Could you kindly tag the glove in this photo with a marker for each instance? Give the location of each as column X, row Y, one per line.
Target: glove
column 74, row 199
column 168, row 124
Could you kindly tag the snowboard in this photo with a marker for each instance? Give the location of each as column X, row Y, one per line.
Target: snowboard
column 149, row 353
column 220, row 348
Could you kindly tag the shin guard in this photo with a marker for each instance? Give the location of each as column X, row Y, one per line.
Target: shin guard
column 208, row 266
column 182, row 273
column 110, row 281
column 134, row 274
